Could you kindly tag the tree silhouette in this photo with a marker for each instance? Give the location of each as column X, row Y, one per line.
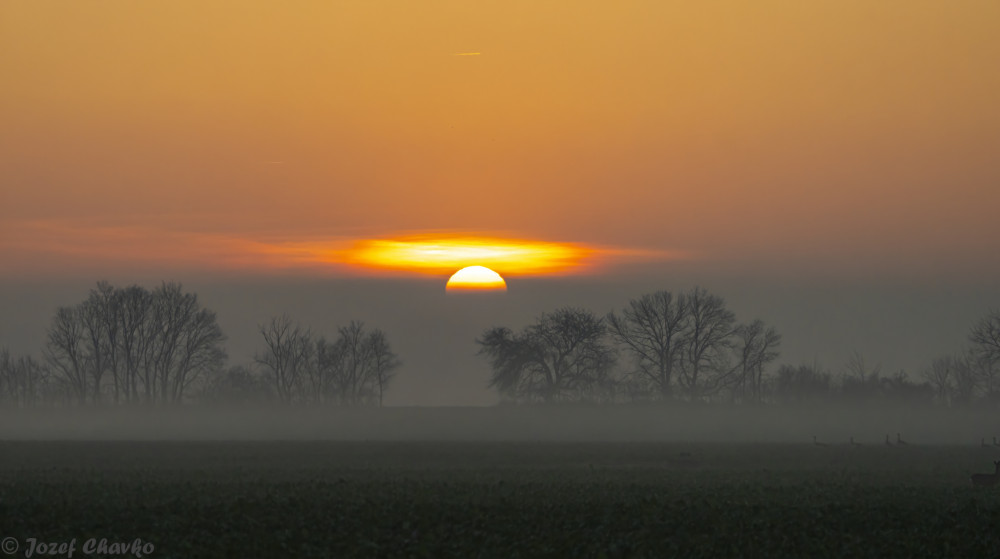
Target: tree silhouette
column 940, row 376
column 155, row 344
column 802, row 384
column 237, row 385
column 756, row 347
column 287, row 356
column 708, row 339
column 653, row 330
column 354, row 369
column 23, row 380
column 384, row 362
column 984, row 354
column 563, row 356
column 66, row 353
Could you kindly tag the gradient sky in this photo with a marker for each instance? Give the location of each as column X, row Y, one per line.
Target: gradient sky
column 850, row 141
column 843, row 134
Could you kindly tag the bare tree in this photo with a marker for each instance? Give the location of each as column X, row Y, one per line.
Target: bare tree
column 136, row 338
column 985, row 352
column 708, row 339
column 384, row 362
column 900, row 388
column 237, row 385
column 161, row 342
column 756, row 347
column 861, row 382
column 23, row 381
column 966, row 380
column 66, row 353
column 562, row 356
column 355, row 369
column 940, row 375
column 802, row 384
column 188, row 344
column 100, row 331
column 652, row 328
column 327, row 368
column 287, row 356
column 509, row 355
column 7, row 384
column 985, row 335
column 857, row 367
column 354, row 379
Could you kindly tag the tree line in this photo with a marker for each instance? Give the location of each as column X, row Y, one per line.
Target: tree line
column 136, row 346
column 661, row 346
column 968, row 376
column 689, row 346
column 353, row 369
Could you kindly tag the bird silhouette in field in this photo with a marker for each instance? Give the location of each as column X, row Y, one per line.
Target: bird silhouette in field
column 817, row 443
column 987, row 480
column 900, row 441
column 854, row 443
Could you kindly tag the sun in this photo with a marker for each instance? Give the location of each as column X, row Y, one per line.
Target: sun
column 476, row 278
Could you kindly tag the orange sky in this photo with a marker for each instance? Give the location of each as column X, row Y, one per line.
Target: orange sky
column 804, row 137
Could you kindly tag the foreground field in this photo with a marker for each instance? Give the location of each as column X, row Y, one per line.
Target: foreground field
column 324, row 499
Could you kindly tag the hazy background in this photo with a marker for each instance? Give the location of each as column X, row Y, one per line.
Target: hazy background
column 901, row 327
column 829, row 167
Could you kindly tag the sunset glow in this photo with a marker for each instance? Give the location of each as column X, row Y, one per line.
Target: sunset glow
column 32, row 247
column 441, row 254
column 476, row 278
column 828, row 168
column 210, row 136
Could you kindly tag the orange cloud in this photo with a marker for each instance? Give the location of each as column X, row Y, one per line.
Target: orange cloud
column 436, row 254
column 48, row 246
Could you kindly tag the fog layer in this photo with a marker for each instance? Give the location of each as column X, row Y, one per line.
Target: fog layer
column 832, row 426
column 434, row 332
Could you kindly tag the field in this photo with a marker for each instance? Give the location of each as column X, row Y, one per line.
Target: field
column 453, row 499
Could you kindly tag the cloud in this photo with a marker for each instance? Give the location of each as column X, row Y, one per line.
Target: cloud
column 57, row 247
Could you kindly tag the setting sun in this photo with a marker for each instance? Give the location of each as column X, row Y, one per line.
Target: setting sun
column 693, row 231
column 476, row 278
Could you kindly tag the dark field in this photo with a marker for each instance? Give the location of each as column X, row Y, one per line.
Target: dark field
column 382, row 499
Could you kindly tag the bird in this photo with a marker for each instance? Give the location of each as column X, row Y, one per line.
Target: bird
column 817, row 443
column 887, row 442
column 854, row 443
column 899, row 440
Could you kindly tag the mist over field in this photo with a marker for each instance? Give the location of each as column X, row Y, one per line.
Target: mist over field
column 500, row 279
column 821, row 322
column 833, row 426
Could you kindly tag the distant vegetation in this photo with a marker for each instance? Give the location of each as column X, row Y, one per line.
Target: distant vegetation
column 659, row 346
column 690, row 347
column 122, row 346
column 135, row 346
column 353, row 369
